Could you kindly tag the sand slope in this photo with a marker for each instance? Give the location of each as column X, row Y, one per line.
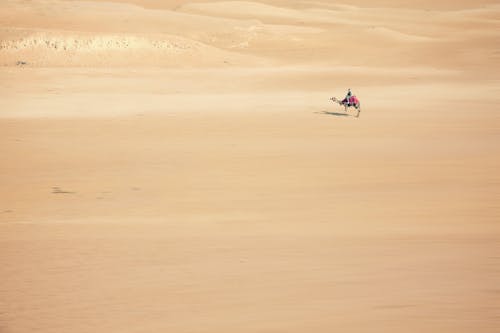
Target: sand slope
column 48, row 34
column 177, row 166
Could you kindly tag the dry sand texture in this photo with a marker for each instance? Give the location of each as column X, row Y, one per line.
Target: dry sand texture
column 176, row 166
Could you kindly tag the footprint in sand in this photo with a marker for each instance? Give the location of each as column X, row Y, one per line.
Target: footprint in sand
column 58, row 190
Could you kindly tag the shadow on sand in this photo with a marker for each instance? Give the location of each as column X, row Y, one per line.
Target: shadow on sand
column 337, row 114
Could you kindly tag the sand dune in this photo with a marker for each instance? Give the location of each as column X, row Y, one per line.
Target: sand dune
column 284, row 35
column 177, row 166
column 70, row 49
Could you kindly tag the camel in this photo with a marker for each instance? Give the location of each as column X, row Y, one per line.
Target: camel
column 354, row 102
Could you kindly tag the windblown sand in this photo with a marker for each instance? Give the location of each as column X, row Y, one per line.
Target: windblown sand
column 177, row 166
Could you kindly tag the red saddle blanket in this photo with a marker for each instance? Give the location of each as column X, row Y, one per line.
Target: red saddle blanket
column 353, row 100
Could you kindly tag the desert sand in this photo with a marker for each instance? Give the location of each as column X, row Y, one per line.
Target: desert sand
column 177, row 166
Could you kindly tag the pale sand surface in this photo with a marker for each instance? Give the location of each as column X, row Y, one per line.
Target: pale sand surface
column 176, row 166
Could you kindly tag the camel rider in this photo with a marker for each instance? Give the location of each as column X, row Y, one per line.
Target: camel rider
column 348, row 97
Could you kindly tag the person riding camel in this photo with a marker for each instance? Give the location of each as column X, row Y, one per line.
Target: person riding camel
column 350, row 100
column 347, row 99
